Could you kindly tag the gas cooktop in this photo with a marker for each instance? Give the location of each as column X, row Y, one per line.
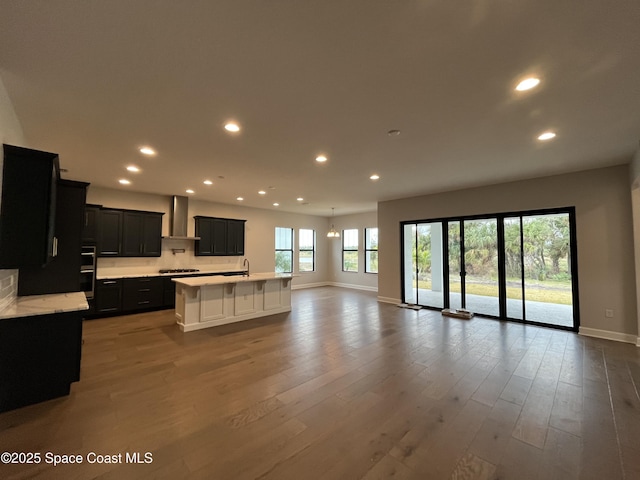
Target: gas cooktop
column 179, row 270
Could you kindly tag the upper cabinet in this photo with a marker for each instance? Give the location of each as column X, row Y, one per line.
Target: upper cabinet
column 219, row 236
column 28, row 208
column 129, row 233
column 61, row 274
column 110, row 232
column 90, row 227
column 235, row 237
column 141, row 234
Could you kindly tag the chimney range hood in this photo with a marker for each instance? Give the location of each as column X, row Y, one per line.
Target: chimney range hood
column 179, row 218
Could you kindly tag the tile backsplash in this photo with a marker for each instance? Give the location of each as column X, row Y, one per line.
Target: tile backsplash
column 8, row 287
column 176, row 253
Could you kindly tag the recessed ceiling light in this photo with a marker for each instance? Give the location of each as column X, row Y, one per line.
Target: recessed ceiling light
column 208, row 182
column 321, row 158
column 133, row 168
column 276, row 204
column 374, row 177
column 147, row 151
column 188, row 190
column 546, row 136
column 300, row 199
column 232, row 127
column 262, row 192
column 239, row 199
column 124, row 181
column 528, row 84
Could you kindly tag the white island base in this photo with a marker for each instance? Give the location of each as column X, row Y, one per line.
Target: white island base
column 203, row 302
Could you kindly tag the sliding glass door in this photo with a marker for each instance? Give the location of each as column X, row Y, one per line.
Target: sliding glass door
column 481, row 266
column 424, row 264
column 515, row 266
column 547, row 269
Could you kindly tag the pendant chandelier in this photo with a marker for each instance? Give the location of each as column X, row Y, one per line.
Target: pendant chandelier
column 333, row 233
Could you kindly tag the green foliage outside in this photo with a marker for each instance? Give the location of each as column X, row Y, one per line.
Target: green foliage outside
column 350, row 261
column 283, row 262
column 546, row 254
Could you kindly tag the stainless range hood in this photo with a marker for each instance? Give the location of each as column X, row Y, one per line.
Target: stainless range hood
column 179, row 218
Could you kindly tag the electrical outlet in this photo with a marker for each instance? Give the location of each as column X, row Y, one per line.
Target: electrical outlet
column 608, row 313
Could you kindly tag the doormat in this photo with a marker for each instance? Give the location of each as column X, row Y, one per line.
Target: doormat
column 459, row 313
column 410, row 306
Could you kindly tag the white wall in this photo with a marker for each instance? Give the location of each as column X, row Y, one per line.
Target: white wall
column 634, row 174
column 606, row 272
column 366, row 281
column 10, row 133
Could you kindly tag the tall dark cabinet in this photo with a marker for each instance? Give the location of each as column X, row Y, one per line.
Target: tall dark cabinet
column 62, row 273
column 27, row 214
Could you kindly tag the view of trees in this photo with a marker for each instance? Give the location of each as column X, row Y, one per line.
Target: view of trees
column 546, row 253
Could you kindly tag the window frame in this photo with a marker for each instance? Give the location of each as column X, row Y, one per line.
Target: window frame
column 290, row 250
column 357, row 249
column 312, row 250
column 367, row 250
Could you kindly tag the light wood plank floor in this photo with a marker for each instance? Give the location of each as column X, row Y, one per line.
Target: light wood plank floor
column 344, row 388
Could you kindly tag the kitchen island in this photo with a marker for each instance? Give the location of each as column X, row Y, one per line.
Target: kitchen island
column 203, row 302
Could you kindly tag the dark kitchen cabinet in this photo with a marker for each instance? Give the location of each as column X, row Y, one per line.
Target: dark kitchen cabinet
column 110, row 232
column 62, row 273
column 169, row 292
column 90, row 227
column 204, row 230
column 219, row 236
column 27, row 212
column 141, row 234
column 108, row 296
column 142, row 292
column 39, row 357
column 129, row 233
column 235, row 237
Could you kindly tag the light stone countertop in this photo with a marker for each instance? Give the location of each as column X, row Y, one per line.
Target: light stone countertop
column 158, row 274
column 222, row 280
column 32, row 305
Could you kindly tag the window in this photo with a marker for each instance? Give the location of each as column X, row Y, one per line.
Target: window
column 350, row 250
column 284, row 250
column 307, row 250
column 371, row 250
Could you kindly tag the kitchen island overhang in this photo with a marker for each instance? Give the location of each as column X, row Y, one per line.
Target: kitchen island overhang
column 204, row 302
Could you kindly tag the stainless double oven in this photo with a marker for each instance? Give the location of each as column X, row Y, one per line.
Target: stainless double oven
column 88, row 271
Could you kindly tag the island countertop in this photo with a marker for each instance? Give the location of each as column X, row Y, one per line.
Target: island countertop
column 221, row 280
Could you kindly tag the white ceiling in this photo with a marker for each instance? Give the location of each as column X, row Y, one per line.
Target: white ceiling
column 95, row 80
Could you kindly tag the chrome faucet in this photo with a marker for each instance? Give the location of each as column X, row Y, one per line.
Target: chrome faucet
column 246, row 264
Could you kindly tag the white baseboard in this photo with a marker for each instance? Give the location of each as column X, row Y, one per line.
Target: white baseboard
column 334, row 284
column 395, row 301
column 310, row 285
column 607, row 335
column 353, row 286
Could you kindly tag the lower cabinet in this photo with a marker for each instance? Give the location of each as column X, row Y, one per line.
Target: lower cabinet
column 169, row 292
column 119, row 296
column 39, row 357
column 143, row 292
column 108, row 296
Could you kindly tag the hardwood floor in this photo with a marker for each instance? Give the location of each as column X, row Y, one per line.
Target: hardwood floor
column 343, row 387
